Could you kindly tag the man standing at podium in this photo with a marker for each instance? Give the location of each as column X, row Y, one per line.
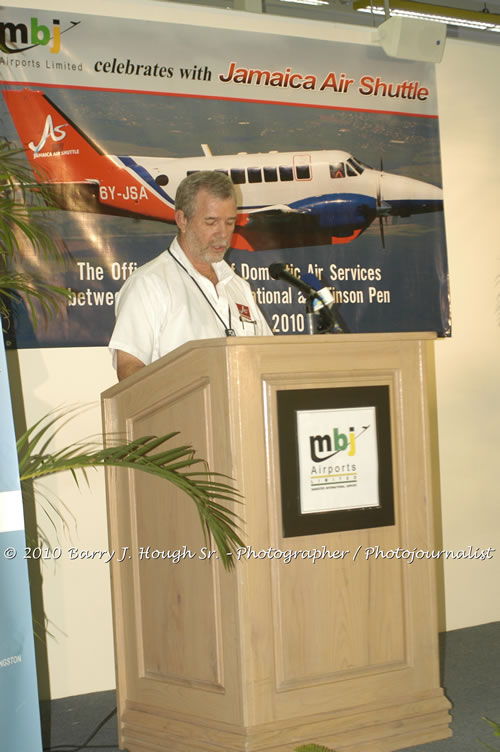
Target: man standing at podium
column 188, row 292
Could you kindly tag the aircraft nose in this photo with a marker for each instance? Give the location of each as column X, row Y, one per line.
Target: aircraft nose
column 409, row 196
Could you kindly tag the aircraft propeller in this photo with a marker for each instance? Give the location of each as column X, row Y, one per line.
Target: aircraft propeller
column 383, row 208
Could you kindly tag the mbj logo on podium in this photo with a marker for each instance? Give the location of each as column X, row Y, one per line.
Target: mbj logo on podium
column 341, row 442
column 338, row 459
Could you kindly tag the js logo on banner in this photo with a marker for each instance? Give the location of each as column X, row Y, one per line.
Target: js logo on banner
column 56, row 133
column 21, row 37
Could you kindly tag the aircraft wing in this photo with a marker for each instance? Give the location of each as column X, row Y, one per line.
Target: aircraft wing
column 316, row 222
column 276, row 208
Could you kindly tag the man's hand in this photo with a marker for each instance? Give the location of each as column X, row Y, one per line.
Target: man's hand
column 127, row 364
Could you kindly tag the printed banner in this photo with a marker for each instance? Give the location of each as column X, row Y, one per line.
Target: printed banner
column 333, row 149
column 19, row 712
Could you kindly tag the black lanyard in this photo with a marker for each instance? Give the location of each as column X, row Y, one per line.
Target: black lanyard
column 228, row 330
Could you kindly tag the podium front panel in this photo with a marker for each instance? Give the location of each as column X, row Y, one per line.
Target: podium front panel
column 328, row 637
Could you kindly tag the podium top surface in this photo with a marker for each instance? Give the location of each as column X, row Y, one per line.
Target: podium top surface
column 302, row 340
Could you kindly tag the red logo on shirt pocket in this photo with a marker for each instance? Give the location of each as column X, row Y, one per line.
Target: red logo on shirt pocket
column 244, row 312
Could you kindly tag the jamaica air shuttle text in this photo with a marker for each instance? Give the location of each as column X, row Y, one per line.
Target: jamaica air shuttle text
column 335, row 82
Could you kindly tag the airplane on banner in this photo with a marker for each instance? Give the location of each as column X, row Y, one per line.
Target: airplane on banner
column 285, row 199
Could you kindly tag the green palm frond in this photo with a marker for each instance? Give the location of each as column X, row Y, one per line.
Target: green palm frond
column 17, row 174
column 28, row 224
column 208, row 490
column 26, row 233
column 14, row 170
column 50, row 298
column 25, row 208
column 496, row 732
column 494, row 725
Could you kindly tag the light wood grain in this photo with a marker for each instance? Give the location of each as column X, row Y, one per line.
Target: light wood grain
column 340, row 652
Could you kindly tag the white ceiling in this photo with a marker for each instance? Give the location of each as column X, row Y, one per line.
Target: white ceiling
column 341, row 11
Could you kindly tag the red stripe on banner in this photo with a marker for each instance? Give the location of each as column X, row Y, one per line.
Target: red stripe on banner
column 221, row 99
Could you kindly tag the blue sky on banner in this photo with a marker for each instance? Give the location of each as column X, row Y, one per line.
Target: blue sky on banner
column 19, row 712
column 162, row 90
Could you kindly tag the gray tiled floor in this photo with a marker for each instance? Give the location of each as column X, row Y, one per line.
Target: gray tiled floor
column 470, row 667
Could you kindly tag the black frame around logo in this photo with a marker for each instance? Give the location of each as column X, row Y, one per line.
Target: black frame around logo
column 289, row 402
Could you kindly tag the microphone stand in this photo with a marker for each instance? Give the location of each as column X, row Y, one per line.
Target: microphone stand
column 310, row 315
column 316, row 323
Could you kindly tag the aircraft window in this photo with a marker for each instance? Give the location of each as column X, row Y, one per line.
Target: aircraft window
column 350, row 170
column 286, row 173
column 337, row 170
column 161, row 180
column 224, row 172
column 270, row 174
column 360, row 167
column 254, row 175
column 191, row 172
column 238, row 176
column 303, row 172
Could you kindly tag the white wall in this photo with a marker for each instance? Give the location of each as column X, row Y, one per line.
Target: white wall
column 468, row 365
column 77, row 593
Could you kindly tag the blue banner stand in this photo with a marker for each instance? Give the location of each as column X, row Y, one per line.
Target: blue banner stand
column 19, row 708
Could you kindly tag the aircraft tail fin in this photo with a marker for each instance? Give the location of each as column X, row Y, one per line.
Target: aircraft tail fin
column 83, row 176
column 47, row 135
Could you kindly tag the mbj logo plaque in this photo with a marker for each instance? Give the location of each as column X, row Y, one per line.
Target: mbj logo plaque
column 338, row 459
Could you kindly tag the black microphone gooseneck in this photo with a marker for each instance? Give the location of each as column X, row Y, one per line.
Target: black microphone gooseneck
column 279, row 271
column 328, row 318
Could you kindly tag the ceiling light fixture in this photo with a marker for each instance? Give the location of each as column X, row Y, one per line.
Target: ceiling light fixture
column 481, row 20
column 307, row 2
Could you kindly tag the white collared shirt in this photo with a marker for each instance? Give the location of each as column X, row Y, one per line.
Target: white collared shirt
column 167, row 302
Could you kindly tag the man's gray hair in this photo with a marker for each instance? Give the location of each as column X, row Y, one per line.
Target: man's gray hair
column 216, row 183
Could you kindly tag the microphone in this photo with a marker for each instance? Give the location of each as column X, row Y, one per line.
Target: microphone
column 323, row 295
column 324, row 305
column 319, row 299
column 279, row 271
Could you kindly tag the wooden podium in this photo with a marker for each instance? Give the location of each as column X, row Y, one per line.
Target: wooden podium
column 341, row 651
